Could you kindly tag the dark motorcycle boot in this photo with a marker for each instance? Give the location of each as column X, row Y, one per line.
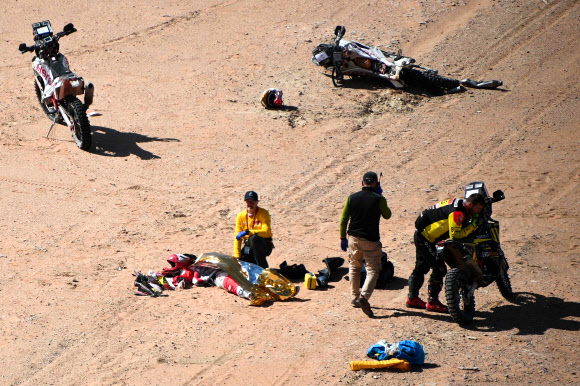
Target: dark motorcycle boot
column 415, row 283
column 434, row 288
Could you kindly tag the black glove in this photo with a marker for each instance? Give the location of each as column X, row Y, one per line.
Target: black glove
column 344, row 244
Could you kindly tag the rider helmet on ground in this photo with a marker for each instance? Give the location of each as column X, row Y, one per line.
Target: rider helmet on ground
column 272, row 98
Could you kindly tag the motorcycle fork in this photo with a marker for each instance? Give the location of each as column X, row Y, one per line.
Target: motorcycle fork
column 470, row 293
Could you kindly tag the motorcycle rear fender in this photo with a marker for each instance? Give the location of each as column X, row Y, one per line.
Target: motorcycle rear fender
column 404, row 62
column 453, row 252
column 69, row 86
column 472, row 271
column 395, row 72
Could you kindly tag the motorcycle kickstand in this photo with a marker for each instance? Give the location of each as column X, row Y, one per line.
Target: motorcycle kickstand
column 51, row 126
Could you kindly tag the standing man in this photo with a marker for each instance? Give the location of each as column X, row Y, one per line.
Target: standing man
column 253, row 227
column 362, row 212
column 439, row 222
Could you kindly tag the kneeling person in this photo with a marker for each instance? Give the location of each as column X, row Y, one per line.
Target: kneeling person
column 253, row 228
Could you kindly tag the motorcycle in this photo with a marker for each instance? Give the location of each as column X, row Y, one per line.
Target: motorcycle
column 350, row 58
column 476, row 261
column 56, row 86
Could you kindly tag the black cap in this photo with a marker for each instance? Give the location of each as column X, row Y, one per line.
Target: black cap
column 370, row 177
column 251, row 195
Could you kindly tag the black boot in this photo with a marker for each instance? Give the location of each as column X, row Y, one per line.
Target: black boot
column 415, row 283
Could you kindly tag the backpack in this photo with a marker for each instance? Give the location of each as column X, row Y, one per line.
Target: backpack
column 386, row 274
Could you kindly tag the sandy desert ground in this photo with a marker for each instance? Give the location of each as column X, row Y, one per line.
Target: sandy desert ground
column 182, row 136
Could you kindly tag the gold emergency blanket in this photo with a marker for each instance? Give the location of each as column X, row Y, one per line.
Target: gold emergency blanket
column 271, row 286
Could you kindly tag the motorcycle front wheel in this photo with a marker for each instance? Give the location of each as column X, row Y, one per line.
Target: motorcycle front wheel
column 81, row 130
column 461, row 307
column 337, row 77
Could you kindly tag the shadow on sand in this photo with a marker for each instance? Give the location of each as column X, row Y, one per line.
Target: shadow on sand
column 368, row 83
column 112, row 143
column 529, row 313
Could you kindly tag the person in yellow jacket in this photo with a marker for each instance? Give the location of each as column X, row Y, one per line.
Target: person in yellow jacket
column 446, row 219
column 253, row 229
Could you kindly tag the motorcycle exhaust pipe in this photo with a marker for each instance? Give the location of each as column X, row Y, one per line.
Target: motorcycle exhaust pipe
column 89, row 91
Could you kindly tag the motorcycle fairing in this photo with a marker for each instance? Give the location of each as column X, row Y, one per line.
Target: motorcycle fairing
column 369, row 60
column 57, row 77
column 489, row 234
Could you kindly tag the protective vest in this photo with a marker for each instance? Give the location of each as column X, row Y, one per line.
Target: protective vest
column 365, row 214
column 444, row 220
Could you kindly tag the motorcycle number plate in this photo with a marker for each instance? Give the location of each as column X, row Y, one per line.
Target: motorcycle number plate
column 321, row 57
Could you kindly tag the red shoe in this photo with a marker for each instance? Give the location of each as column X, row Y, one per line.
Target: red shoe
column 436, row 306
column 416, row 302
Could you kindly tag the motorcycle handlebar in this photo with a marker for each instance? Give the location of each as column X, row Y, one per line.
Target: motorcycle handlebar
column 23, row 48
column 339, row 31
column 67, row 30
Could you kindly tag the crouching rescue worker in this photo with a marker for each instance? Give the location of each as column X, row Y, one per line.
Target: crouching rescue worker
column 441, row 221
column 253, row 229
column 362, row 212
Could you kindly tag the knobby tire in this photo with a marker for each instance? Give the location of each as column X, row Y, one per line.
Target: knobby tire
column 82, row 128
column 430, row 79
column 461, row 312
column 504, row 285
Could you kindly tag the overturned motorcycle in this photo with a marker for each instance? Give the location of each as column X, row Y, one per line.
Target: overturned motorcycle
column 349, row 58
column 475, row 262
column 57, row 86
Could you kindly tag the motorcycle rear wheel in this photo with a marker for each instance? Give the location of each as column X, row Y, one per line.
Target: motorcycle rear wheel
column 430, row 79
column 505, row 286
column 461, row 309
column 81, row 131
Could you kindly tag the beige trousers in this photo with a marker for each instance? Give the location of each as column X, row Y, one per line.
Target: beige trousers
column 371, row 252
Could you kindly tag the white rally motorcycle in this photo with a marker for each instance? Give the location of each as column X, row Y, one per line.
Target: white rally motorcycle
column 57, row 86
column 353, row 59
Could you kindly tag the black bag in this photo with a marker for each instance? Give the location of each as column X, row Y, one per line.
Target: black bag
column 386, row 274
column 294, row 271
column 332, row 265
